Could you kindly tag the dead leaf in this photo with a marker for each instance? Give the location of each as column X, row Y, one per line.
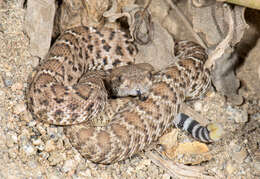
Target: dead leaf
column 159, row 53
column 192, row 148
column 189, row 153
column 223, row 27
column 169, row 140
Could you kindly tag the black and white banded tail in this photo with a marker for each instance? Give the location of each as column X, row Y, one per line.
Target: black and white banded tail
column 207, row 134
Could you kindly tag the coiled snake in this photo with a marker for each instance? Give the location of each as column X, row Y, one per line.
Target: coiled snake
column 70, row 88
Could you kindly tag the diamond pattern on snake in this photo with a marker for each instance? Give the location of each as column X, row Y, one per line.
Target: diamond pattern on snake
column 86, row 67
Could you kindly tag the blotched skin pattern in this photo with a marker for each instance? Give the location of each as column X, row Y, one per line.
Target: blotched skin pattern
column 66, row 90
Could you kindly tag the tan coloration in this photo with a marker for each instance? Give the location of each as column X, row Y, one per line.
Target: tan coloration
column 120, row 81
column 137, row 123
column 67, row 90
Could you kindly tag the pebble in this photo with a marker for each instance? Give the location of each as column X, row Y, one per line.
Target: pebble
column 240, row 116
column 32, row 123
column 166, row 176
column 11, row 139
column 27, row 117
column 234, row 147
column 19, row 108
column 240, row 156
column 8, row 81
column 130, row 170
column 54, row 133
column 28, row 149
column 17, row 86
column 13, row 152
column 33, row 164
column 44, row 155
column 230, row 168
column 56, row 157
column 50, row 146
column 143, row 164
column 41, row 128
column 86, row 173
column 198, row 106
column 69, row 165
column 37, row 142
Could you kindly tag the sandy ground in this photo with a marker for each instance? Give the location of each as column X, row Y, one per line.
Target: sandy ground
column 29, row 149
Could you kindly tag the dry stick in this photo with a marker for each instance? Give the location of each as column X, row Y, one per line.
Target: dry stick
column 187, row 23
column 177, row 170
column 147, row 5
column 222, row 46
column 254, row 4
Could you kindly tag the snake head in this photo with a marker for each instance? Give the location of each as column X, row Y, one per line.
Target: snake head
column 131, row 80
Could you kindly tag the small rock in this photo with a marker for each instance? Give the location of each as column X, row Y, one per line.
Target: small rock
column 230, row 167
column 28, row 149
column 166, row 176
column 198, row 106
column 69, row 165
column 11, row 139
column 240, row 156
column 143, row 164
column 53, row 133
column 33, row 164
column 8, row 81
column 41, row 129
column 17, row 86
column 13, row 152
column 240, row 116
column 85, row 173
column 19, row 108
column 32, row 123
column 27, row 117
column 50, row 146
column 130, row 170
column 44, row 155
column 234, row 147
column 56, row 157
column 37, row 141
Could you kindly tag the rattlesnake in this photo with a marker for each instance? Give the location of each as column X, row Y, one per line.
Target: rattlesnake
column 68, row 89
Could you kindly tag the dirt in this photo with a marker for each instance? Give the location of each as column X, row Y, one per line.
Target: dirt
column 30, row 149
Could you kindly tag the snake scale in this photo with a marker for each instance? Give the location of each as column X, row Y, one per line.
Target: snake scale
column 68, row 89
